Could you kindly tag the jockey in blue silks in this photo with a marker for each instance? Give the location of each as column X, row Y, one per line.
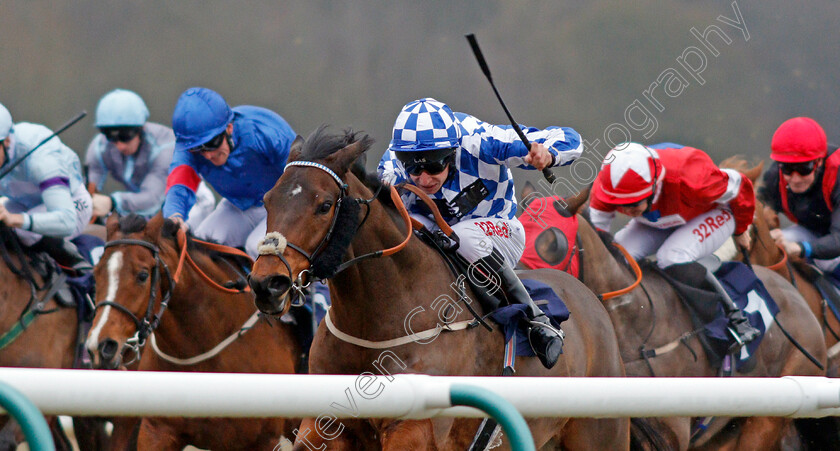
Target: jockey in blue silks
column 240, row 152
column 463, row 164
column 137, row 154
column 47, row 201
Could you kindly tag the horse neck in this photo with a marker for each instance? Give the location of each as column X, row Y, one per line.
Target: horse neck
column 601, row 271
column 199, row 314
column 371, row 299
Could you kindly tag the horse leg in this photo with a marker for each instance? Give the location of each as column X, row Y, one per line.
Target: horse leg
column 761, row 433
column 409, row 435
column 592, row 433
column 309, row 438
column 90, row 433
column 9, row 435
column 157, row 436
column 62, row 443
column 124, row 435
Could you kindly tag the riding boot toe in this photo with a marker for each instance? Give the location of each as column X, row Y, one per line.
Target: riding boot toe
column 546, row 342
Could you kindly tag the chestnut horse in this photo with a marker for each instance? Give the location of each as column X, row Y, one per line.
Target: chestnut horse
column 657, row 337
column 133, row 279
column 34, row 330
column 314, row 212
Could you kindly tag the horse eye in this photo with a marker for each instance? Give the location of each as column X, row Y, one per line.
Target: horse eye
column 142, row 276
column 325, row 207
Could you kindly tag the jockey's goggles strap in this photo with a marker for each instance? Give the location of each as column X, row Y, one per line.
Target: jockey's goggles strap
column 636, row 270
column 444, row 227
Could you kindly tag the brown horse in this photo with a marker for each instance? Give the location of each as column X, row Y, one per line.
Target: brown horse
column 658, row 338
column 314, row 213
column 34, row 330
column 765, row 252
column 134, row 285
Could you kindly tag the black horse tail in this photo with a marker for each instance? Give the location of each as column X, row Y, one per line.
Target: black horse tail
column 818, row 433
column 646, row 435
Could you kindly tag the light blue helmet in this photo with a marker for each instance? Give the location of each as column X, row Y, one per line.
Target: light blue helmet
column 5, row 122
column 424, row 125
column 200, row 115
column 121, row 108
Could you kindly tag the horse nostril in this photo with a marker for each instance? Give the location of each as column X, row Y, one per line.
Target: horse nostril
column 278, row 285
column 108, row 349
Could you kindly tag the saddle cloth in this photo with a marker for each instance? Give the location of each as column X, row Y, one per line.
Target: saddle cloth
column 750, row 295
column 509, row 316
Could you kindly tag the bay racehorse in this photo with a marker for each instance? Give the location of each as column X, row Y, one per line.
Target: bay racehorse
column 657, row 336
column 156, row 286
column 34, row 330
column 765, row 252
column 321, row 213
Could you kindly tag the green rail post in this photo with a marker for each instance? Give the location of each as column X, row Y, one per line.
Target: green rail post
column 497, row 407
column 31, row 421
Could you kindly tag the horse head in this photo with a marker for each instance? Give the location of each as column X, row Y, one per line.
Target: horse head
column 131, row 281
column 312, row 216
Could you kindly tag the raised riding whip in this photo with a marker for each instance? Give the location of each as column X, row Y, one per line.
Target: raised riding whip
column 549, row 176
column 69, row 123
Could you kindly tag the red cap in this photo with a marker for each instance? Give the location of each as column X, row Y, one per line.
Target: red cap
column 797, row 140
column 627, row 176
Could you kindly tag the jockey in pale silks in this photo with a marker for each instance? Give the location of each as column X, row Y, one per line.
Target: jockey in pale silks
column 135, row 153
column 682, row 208
column 47, row 201
column 463, row 164
column 240, row 152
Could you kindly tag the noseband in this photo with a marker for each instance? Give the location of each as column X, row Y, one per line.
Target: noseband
column 275, row 243
column 150, row 320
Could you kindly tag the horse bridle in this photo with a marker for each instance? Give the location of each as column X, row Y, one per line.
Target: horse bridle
column 151, row 319
column 274, row 243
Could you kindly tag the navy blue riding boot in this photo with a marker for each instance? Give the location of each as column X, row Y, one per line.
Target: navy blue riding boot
column 546, row 340
column 65, row 253
column 696, row 275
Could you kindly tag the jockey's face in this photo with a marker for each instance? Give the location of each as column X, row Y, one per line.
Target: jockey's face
column 634, row 210
column 799, row 183
column 430, row 183
column 129, row 147
column 220, row 155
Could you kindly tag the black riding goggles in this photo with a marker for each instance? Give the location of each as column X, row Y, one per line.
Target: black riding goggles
column 802, row 169
column 121, row 134
column 433, row 168
column 211, row 145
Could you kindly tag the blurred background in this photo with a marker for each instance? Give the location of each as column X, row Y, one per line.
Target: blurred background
column 583, row 64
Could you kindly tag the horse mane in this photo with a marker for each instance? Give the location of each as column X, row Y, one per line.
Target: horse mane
column 132, row 223
column 320, row 144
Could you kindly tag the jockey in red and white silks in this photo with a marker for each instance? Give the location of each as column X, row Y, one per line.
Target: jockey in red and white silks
column 683, row 207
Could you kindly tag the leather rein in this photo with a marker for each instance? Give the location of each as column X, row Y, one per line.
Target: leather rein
column 146, row 326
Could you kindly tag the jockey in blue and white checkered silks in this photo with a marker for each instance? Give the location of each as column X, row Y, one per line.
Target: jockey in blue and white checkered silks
column 47, row 203
column 464, row 164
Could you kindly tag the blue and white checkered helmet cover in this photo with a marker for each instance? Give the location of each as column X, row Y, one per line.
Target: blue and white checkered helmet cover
column 425, row 124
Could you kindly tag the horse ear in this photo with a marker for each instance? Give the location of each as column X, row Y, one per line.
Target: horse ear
column 755, row 172
column 574, row 203
column 527, row 195
column 112, row 225
column 344, row 158
column 296, row 149
column 153, row 228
